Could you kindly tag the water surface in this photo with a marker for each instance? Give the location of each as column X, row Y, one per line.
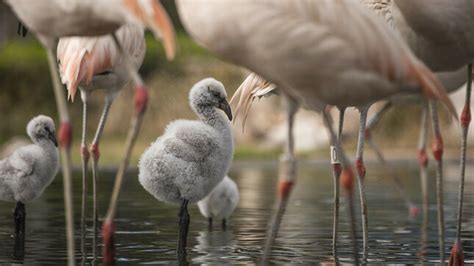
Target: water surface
column 147, row 229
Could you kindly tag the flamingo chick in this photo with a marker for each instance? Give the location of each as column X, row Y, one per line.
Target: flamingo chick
column 26, row 173
column 191, row 157
column 221, row 202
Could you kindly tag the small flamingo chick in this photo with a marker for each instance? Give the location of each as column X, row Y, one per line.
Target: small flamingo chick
column 221, row 202
column 26, row 173
column 191, row 157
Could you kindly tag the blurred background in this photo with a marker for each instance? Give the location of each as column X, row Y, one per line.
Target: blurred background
column 25, row 91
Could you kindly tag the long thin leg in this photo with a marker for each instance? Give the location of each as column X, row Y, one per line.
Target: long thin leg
column 412, row 209
column 210, row 223
column 19, row 217
column 371, row 123
column 337, row 169
column 438, row 155
column 65, row 138
column 347, row 181
column 95, row 168
column 140, row 100
column 224, row 224
column 287, row 178
column 457, row 254
column 183, row 220
column 423, row 163
column 361, row 178
column 85, row 160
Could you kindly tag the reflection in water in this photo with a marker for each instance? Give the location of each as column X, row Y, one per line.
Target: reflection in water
column 147, row 231
column 213, row 246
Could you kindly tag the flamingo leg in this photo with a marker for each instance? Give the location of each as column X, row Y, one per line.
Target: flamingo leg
column 437, row 148
column 65, row 138
column 224, row 224
column 183, row 220
column 140, row 100
column 19, row 216
column 371, row 123
column 457, row 254
column 287, row 178
column 210, row 223
column 85, row 160
column 423, row 164
column 337, row 169
column 95, row 168
column 361, row 179
column 346, row 178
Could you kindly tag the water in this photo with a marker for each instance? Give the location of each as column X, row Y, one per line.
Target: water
column 147, row 229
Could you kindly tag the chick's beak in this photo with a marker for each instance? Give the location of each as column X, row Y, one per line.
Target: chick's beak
column 224, row 106
column 52, row 137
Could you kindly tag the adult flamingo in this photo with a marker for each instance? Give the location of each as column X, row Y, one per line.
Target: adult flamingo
column 441, row 34
column 314, row 51
column 93, row 63
column 50, row 20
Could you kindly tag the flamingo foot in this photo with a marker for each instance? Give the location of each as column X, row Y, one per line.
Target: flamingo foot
column 284, row 188
column 65, row 134
column 457, row 254
column 108, row 230
column 141, row 98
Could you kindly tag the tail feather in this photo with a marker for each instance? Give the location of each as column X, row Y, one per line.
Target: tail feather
column 253, row 87
column 431, row 86
column 152, row 15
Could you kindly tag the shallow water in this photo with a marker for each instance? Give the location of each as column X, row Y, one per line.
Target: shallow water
column 147, row 229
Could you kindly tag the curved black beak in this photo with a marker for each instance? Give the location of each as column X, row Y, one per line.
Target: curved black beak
column 52, row 137
column 224, row 106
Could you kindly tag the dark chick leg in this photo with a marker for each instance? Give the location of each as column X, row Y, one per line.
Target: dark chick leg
column 183, row 221
column 19, row 216
column 210, row 223
column 224, row 225
column 457, row 254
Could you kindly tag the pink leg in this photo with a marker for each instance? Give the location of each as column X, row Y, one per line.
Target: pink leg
column 457, row 254
column 64, row 139
column 437, row 148
column 346, row 178
column 85, row 160
column 95, row 168
column 140, row 101
column 286, row 180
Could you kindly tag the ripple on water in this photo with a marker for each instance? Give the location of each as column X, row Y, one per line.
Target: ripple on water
column 147, row 229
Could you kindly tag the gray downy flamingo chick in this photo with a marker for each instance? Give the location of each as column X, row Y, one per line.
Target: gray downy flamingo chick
column 221, row 202
column 191, row 157
column 26, row 173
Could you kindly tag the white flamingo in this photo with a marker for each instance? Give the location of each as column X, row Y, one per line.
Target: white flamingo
column 317, row 52
column 93, row 63
column 50, row 20
column 440, row 33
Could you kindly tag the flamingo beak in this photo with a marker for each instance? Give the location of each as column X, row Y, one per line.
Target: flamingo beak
column 53, row 139
column 224, row 106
